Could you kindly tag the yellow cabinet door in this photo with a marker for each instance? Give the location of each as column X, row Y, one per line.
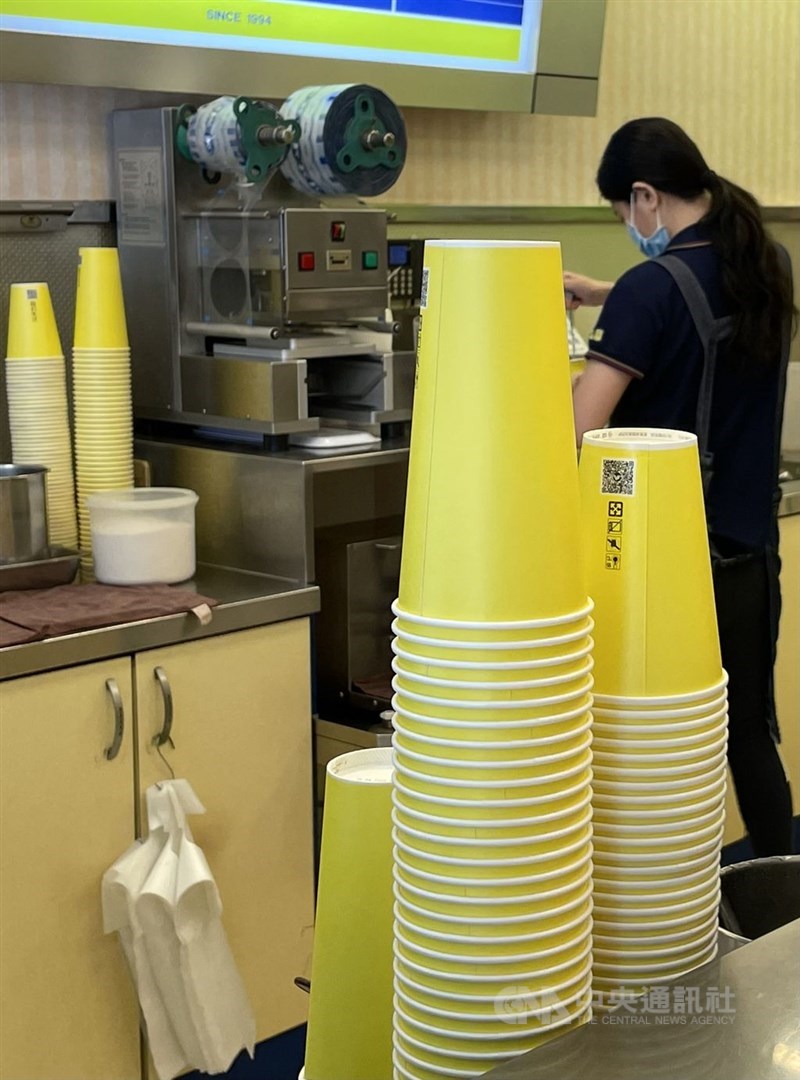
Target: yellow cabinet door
column 67, row 1006
column 242, row 737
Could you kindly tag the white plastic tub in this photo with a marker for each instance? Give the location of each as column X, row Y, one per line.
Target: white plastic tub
column 143, row 536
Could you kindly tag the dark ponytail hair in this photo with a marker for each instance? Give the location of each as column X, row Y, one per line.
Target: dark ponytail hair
column 757, row 287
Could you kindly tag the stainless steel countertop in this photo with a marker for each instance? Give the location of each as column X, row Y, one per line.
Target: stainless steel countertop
column 758, row 1039
column 245, row 600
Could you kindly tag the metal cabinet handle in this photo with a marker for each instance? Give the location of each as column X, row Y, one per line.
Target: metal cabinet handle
column 119, row 719
column 165, row 735
column 388, row 547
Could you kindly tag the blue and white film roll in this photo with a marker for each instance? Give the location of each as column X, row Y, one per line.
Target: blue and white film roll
column 325, row 115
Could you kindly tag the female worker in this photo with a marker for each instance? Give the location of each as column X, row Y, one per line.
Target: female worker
column 659, row 357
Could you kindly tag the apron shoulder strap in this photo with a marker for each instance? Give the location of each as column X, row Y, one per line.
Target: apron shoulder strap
column 711, row 332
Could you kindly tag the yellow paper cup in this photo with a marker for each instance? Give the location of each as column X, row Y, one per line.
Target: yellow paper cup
column 426, row 641
column 487, row 1011
column 469, row 789
column 490, row 748
column 494, row 690
column 660, row 969
column 659, row 743
column 545, row 723
column 523, row 771
column 547, row 840
column 413, row 810
column 502, row 870
column 481, row 711
column 570, row 662
column 500, row 810
column 652, row 813
column 482, row 299
column 648, row 562
column 350, row 1009
column 32, row 330
column 696, row 698
column 99, row 307
column 533, row 903
column 474, row 996
column 511, row 631
column 510, row 885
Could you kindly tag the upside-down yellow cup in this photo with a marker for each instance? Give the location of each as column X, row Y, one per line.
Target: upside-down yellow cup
column 350, row 1010
column 32, row 330
column 648, row 563
column 99, row 306
column 493, row 363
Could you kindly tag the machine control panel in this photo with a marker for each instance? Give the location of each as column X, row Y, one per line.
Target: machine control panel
column 334, row 249
column 405, row 271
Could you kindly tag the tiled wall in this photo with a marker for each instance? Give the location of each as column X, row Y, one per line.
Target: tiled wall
column 727, row 70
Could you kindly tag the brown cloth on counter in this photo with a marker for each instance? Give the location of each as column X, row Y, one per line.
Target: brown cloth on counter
column 11, row 634
column 67, row 609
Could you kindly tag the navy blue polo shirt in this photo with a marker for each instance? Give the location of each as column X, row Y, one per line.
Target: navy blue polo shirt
column 645, row 329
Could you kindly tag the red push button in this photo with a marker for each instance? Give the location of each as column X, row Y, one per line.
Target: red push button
column 338, row 230
column 305, row 260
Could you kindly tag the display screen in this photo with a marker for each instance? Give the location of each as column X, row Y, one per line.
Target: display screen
column 478, row 35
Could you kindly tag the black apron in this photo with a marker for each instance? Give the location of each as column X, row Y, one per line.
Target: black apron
column 712, row 332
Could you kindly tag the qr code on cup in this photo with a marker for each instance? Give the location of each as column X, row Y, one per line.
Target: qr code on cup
column 423, row 300
column 619, row 477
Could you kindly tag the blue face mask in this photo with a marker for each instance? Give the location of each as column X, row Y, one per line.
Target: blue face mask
column 651, row 246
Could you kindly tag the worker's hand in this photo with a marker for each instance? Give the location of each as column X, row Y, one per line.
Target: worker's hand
column 580, row 291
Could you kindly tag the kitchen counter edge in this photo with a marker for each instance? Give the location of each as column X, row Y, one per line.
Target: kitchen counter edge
column 246, row 600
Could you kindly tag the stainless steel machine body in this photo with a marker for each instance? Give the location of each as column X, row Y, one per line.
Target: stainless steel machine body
column 250, row 307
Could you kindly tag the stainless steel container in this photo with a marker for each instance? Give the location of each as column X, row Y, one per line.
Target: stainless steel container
column 23, row 513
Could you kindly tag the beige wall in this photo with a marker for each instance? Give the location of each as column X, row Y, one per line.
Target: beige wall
column 727, row 70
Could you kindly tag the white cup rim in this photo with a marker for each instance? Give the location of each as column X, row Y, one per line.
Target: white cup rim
column 617, row 904
column 643, row 843
column 677, row 949
column 497, row 864
column 404, row 1074
column 669, row 699
column 492, row 845
column 690, row 711
column 450, row 976
column 444, row 781
column 478, row 1037
column 647, row 971
column 499, row 804
column 601, row 921
column 635, row 788
column 488, row 883
column 488, row 998
column 505, row 744
column 696, row 739
column 682, row 768
column 679, row 756
column 653, row 881
column 500, row 961
column 630, row 831
column 509, row 939
column 669, row 813
column 503, row 725
column 508, row 920
column 625, row 858
column 517, row 624
column 491, row 766
column 503, row 646
column 489, row 705
column 503, row 665
column 499, row 901
column 522, row 684
column 404, row 998
column 495, row 823
column 658, row 729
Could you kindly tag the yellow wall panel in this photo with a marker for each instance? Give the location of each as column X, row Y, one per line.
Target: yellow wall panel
column 726, row 70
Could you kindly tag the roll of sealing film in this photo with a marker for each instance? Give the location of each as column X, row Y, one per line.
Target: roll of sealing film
column 353, row 140
column 235, row 135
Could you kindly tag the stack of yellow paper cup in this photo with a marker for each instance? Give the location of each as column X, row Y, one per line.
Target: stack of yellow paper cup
column 350, row 1012
column 660, row 707
column 37, row 403
column 493, row 676
column 101, row 370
